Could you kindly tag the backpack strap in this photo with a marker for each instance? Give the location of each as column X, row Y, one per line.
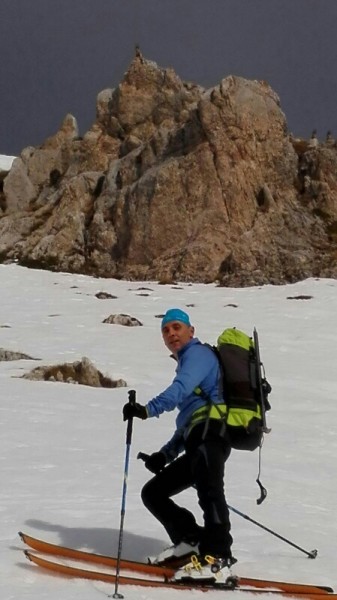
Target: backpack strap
column 211, row 410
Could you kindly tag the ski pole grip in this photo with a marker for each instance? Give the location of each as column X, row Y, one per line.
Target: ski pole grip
column 143, row 456
column 132, row 400
column 132, row 396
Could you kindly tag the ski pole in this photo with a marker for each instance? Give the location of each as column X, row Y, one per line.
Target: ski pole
column 132, row 400
column 311, row 554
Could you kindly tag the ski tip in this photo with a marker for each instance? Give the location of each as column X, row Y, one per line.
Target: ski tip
column 20, row 533
column 27, row 554
column 313, row 554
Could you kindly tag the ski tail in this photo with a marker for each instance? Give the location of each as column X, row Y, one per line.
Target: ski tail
column 91, row 557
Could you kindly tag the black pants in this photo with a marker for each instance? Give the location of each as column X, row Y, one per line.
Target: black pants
column 201, row 466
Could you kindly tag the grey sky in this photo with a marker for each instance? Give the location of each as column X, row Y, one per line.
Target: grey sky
column 56, row 55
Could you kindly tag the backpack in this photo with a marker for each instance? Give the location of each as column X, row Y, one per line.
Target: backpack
column 245, row 388
column 246, row 391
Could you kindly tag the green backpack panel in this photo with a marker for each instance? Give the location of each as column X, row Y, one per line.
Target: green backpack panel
column 245, row 390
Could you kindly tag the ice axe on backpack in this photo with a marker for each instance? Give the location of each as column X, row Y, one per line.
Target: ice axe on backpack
column 262, row 384
column 263, row 389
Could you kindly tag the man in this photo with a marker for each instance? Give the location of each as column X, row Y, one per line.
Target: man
column 201, row 438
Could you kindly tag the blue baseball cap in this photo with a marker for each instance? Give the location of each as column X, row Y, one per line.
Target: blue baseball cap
column 175, row 314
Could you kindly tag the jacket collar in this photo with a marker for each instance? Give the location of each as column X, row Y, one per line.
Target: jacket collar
column 192, row 342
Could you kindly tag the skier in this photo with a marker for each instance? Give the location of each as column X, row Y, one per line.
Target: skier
column 194, row 456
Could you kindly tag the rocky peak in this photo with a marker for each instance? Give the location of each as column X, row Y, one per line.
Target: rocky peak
column 173, row 181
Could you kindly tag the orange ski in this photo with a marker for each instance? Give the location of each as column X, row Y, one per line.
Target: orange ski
column 162, row 571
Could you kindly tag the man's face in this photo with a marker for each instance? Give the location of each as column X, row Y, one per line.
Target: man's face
column 176, row 334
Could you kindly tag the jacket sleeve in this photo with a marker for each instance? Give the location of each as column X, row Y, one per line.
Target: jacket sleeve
column 174, row 446
column 194, row 367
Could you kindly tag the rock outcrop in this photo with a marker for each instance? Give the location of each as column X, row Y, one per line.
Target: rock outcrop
column 174, row 182
column 7, row 355
column 122, row 319
column 81, row 372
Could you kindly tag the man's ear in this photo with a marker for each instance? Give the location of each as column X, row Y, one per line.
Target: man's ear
column 191, row 331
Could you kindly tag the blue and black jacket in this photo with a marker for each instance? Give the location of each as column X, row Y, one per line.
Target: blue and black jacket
column 198, row 367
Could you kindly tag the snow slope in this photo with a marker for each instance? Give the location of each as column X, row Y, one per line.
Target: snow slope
column 63, row 445
column 6, row 162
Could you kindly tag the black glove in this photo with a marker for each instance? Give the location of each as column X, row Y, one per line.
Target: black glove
column 134, row 410
column 156, row 462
